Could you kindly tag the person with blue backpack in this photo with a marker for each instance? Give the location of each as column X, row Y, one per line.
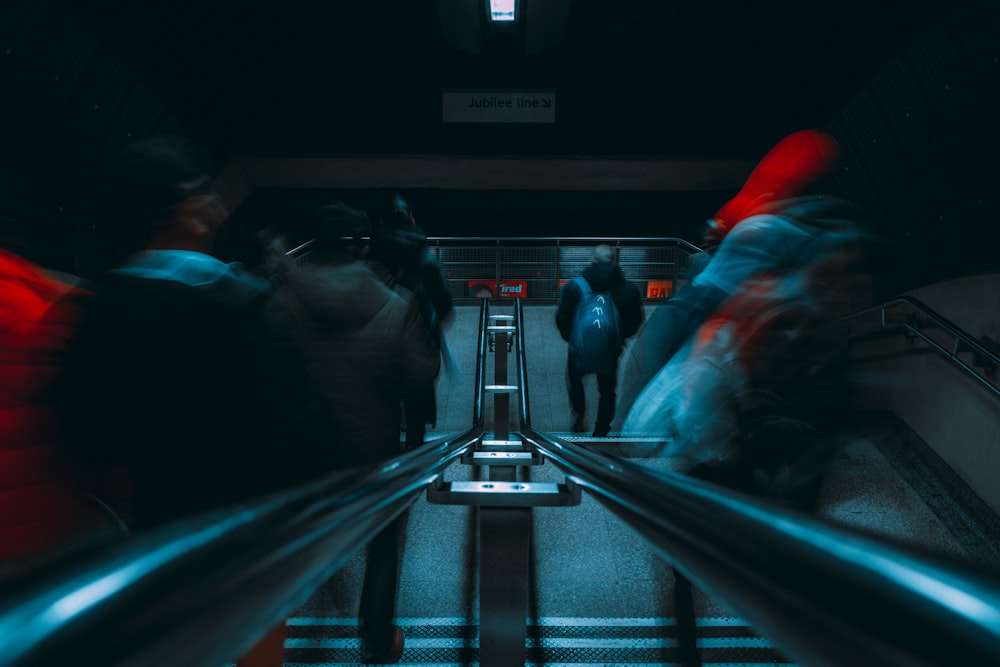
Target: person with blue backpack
column 598, row 310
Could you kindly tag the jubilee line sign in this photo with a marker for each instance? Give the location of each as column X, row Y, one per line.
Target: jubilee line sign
column 498, row 106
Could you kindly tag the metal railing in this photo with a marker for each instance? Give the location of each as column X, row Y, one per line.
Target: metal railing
column 203, row 591
column 909, row 316
column 823, row 595
column 537, row 268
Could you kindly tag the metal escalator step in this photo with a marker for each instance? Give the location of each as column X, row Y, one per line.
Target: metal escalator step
column 581, row 642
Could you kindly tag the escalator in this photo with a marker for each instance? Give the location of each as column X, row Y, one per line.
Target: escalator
column 771, row 586
column 599, row 594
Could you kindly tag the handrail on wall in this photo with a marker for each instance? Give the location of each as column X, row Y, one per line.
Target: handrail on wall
column 960, row 336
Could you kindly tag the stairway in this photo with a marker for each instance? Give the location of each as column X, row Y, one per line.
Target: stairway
column 551, row 641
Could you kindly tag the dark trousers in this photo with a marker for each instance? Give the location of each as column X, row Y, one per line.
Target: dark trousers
column 416, row 424
column 606, row 385
column 420, row 409
column 378, row 593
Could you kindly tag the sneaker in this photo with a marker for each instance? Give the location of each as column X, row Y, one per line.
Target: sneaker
column 578, row 425
column 602, row 432
column 388, row 656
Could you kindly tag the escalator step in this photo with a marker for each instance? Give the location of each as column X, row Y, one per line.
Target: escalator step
column 581, row 642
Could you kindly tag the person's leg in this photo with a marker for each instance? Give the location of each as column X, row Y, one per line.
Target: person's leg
column 687, row 625
column 577, row 398
column 606, row 384
column 269, row 651
column 416, row 421
column 378, row 592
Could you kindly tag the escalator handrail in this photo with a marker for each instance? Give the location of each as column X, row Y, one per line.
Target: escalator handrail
column 203, row 590
column 948, row 611
column 524, row 406
column 824, row 595
column 144, row 601
column 482, row 346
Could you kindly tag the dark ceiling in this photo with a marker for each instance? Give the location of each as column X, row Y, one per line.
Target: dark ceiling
column 632, row 77
column 661, row 106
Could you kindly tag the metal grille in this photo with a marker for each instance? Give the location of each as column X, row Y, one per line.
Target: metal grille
column 537, row 268
column 466, row 265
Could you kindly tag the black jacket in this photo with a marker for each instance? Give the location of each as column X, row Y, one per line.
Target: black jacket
column 367, row 344
column 404, row 250
column 186, row 375
column 602, row 278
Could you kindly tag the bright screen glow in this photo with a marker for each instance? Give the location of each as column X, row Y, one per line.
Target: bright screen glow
column 502, row 10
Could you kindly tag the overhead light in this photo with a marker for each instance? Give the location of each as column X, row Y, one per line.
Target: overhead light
column 503, row 11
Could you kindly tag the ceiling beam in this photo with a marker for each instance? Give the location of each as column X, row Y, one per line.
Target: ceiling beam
column 493, row 173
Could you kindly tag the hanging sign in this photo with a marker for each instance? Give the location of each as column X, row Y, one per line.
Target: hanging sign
column 485, row 106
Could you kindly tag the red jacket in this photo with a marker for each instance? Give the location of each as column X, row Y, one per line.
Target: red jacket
column 40, row 506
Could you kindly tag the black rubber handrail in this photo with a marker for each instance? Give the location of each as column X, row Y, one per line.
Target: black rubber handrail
column 823, row 595
column 524, row 406
column 203, row 590
column 914, row 305
column 482, row 345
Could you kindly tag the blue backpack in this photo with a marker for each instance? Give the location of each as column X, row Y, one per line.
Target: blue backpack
column 595, row 341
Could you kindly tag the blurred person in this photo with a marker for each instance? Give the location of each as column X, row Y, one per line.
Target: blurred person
column 177, row 338
column 186, row 389
column 780, row 222
column 400, row 245
column 748, row 370
column 368, row 346
column 782, row 217
column 708, row 243
column 751, row 399
column 43, row 509
column 605, row 280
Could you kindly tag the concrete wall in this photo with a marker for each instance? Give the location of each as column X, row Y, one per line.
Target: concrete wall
column 951, row 411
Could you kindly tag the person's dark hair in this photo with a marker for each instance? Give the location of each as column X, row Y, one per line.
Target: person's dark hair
column 143, row 182
column 604, row 254
column 338, row 227
column 399, row 248
column 397, row 215
column 398, row 243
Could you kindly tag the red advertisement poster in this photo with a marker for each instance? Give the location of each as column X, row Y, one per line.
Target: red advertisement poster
column 505, row 289
column 479, row 289
column 513, row 289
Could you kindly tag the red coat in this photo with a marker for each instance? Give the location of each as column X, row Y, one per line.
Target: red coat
column 40, row 506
